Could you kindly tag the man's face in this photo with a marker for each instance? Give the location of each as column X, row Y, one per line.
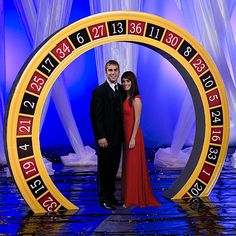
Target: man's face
column 112, row 73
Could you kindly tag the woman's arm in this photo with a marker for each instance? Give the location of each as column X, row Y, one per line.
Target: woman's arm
column 137, row 113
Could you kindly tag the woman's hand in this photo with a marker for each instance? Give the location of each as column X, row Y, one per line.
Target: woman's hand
column 132, row 143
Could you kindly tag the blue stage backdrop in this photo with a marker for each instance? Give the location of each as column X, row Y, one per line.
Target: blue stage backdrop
column 161, row 86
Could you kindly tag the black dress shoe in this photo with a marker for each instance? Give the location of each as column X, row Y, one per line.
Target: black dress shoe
column 115, row 202
column 107, row 206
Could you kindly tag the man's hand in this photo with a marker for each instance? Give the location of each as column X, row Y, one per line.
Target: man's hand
column 103, row 142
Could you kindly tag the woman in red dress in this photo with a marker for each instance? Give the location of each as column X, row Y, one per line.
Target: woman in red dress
column 136, row 187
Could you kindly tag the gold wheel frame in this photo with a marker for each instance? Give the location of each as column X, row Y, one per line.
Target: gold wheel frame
column 29, row 92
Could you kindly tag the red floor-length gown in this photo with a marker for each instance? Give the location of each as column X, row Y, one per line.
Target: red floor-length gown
column 136, row 187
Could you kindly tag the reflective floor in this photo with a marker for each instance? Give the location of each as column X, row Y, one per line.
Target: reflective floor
column 215, row 215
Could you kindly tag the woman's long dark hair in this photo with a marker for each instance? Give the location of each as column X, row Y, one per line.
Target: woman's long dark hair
column 134, row 91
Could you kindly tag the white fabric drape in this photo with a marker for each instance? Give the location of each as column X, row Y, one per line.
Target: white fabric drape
column 2, row 82
column 41, row 19
column 126, row 54
column 209, row 22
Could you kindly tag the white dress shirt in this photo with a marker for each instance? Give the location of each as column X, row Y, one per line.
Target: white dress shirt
column 112, row 85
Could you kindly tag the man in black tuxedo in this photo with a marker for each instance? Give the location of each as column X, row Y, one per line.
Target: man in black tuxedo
column 106, row 117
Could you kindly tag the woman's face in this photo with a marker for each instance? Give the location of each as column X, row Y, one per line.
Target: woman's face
column 126, row 83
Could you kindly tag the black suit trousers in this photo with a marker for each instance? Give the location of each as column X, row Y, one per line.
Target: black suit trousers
column 108, row 165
